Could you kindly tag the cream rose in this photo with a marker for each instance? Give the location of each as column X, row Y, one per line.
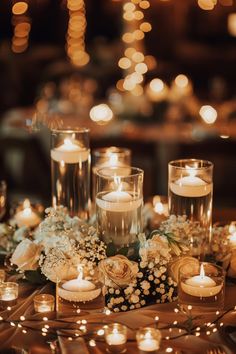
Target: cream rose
column 26, row 255
column 117, row 271
column 232, row 265
column 188, row 264
column 154, row 248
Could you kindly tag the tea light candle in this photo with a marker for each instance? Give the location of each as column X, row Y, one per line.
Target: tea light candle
column 116, row 337
column 232, row 235
column 79, row 289
column 44, row 303
column 201, row 285
column 27, row 217
column 148, row 340
column 2, row 275
column 118, row 200
column 69, row 152
column 8, row 293
column 191, row 185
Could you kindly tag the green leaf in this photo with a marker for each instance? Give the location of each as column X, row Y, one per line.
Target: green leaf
column 35, row 276
column 111, row 250
column 124, row 251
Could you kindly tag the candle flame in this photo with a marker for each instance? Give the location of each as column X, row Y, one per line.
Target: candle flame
column 68, row 142
column 159, row 208
column 148, row 335
column 191, row 170
column 118, row 182
column 113, row 160
column 26, row 204
column 202, row 271
column 80, row 271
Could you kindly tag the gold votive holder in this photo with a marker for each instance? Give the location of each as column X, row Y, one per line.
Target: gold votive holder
column 44, row 303
column 8, row 294
column 116, row 338
column 2, row 275
column 202, row 286
column 148, row 340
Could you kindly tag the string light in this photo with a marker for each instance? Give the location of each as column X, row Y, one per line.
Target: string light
column 207, row 4
column 133, row 61
column 21, row 26
column 76, row 32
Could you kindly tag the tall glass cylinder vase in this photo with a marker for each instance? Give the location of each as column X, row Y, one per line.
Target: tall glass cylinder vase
column 119, row 201
column 190, row 193
column 70, row 171
column 108, row 157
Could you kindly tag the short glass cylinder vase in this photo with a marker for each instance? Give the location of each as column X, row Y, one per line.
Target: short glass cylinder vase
column 44, row 303
column 70, row 171
column 119, row 200
column 202, row 286
column 148, row 340
column 8, row 294
column 116, row 338
column 108, row 157
column 190, row 189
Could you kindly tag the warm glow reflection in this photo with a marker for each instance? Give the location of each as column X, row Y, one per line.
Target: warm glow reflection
column 19, row 8
column 232, row 24
column 181, row 81
column 207, row 4
column 101, row 113
column 208, row 114
column 156, row 85
column 124, row 63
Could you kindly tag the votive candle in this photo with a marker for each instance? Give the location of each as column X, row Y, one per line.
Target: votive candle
column 8, row 294
column 116, row 338
column 44, row 303
column 148, row 340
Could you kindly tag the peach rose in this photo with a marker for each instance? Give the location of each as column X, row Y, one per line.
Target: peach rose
column 187, row 264
column 26, row 255
column 117, row 271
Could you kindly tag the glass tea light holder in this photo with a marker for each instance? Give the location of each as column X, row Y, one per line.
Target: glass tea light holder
column 44, row 303
column 27, row 215
column 119, row 200
column 190, row 190
column 202, row 286
column 3, row 198
column 116, row 338
column 148, row 340
column 8, row 294
column 77, row 293
column 70, row 171
column 2, row 275
column 109, row 157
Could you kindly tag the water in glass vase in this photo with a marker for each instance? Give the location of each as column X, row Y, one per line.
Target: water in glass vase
column 196, row 203
column 71, row 186
column 119, row 219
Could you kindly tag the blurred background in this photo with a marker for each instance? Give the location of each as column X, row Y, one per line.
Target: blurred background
column 155, row 76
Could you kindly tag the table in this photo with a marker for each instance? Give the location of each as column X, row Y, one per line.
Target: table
column 35, row 342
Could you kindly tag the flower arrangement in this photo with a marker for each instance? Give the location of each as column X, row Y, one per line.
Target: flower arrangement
column 222, row 249
column 60, row 243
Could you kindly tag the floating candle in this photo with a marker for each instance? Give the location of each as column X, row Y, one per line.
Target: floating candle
column 191, row 185
column 79, row 289
column 69, row 152
column 118, row 200
column 201, row 285
column 27, row 217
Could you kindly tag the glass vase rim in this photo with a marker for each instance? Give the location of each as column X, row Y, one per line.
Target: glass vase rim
column 70, row 130
column 206, row 164
column 119, row 151
column 138, row 172
column 217, row 266
column 10, row 284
